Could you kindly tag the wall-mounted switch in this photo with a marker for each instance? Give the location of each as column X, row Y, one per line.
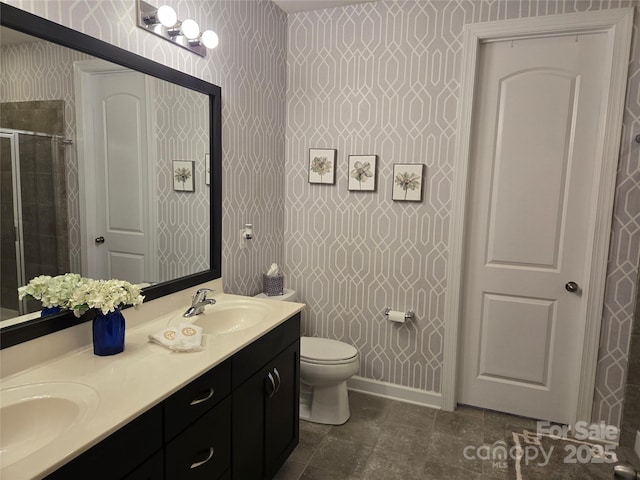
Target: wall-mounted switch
column 246, row 234
column 248, row 231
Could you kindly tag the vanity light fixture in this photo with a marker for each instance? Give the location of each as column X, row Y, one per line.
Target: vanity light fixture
column 209, row 39
column 165, row 15
column 163, row 21
column 190, row 29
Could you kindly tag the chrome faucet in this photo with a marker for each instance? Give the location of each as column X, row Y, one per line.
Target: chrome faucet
column 198, row 302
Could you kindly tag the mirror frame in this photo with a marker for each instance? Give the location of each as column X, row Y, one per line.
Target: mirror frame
column 35, row 26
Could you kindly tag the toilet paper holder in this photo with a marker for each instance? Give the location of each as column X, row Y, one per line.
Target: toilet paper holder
column 407, row 315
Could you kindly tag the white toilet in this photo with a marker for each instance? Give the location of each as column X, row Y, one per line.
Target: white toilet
column 325, row 367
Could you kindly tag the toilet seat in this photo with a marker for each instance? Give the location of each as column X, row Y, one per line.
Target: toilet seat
column 324, row 351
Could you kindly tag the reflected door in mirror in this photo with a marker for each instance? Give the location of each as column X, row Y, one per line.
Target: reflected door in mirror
column 115, row 160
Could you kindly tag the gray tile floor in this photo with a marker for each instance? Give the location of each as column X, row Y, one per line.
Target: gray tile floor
column 387, row 439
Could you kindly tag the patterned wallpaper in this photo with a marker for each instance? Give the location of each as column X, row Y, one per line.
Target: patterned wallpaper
column 249, row 66
column 377, row 78
column 182, row 132
column 623, row 265
column 384, row 78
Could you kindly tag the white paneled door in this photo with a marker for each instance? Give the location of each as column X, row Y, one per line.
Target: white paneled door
column 533, row 155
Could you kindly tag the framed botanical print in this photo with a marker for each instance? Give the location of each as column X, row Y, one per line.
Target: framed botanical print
column 362, row 173
column 322, row 165
column 183, row 176
column 407, row 182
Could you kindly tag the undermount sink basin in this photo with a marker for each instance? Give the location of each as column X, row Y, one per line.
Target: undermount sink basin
column 34, row 415
column 227, row 317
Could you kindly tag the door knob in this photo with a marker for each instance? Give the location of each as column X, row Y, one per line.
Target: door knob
column 571, row 287
column 626, row 471
column 99, row 240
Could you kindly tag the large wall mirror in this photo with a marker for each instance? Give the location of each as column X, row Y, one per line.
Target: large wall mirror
column 111, row 168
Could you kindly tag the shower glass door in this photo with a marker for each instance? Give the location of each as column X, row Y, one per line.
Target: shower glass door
column 11, row 256
column 34, row 219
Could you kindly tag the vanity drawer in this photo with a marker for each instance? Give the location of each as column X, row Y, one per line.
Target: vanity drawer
column 191, row 402
column 202, row 451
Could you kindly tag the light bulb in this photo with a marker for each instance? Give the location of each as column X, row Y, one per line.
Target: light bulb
column 190, row 29
column 209, row 39
column 167, row 16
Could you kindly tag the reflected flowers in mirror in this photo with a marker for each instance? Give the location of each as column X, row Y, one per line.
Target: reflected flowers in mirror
column 53, row 292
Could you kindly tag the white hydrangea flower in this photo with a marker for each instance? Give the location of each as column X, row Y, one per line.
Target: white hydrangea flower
column 52, row 291
column 104, row 295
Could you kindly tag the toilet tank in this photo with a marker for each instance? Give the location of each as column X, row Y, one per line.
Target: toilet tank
column 287, row 296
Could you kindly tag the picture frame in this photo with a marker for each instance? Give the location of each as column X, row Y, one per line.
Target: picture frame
column 362, row 173
column 183, row 171
column 322, row 165
column 408, row 180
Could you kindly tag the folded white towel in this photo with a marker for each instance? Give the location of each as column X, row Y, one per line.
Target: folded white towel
column 186, row 337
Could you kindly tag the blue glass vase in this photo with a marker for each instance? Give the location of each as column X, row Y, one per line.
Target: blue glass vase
column 49, row 311
column 108, row 333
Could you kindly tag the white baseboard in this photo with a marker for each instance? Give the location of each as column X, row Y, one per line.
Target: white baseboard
column 637, row 447
column 395, row 392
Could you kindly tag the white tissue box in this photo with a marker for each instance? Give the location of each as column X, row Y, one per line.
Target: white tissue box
column 272, row 286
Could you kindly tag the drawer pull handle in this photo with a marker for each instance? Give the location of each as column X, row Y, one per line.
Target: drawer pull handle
column 207, row 395
column 198, row 464
column 273, row 385
column 275, row 370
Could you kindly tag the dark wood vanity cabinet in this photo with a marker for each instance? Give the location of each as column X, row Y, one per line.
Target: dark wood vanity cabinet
column 197, row 427
column 283, row 418
column 152, row 469
column 120, row 453
column 186, row 437
column 266, row 398
column 203, row 450
column 238, row 420
column 195, row 399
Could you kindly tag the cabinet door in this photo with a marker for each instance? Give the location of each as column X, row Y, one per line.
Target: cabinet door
column 248, row 428
column 282, row 408
column 266, row 417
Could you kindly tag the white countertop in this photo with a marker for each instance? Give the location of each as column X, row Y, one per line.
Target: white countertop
column 130, row 383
